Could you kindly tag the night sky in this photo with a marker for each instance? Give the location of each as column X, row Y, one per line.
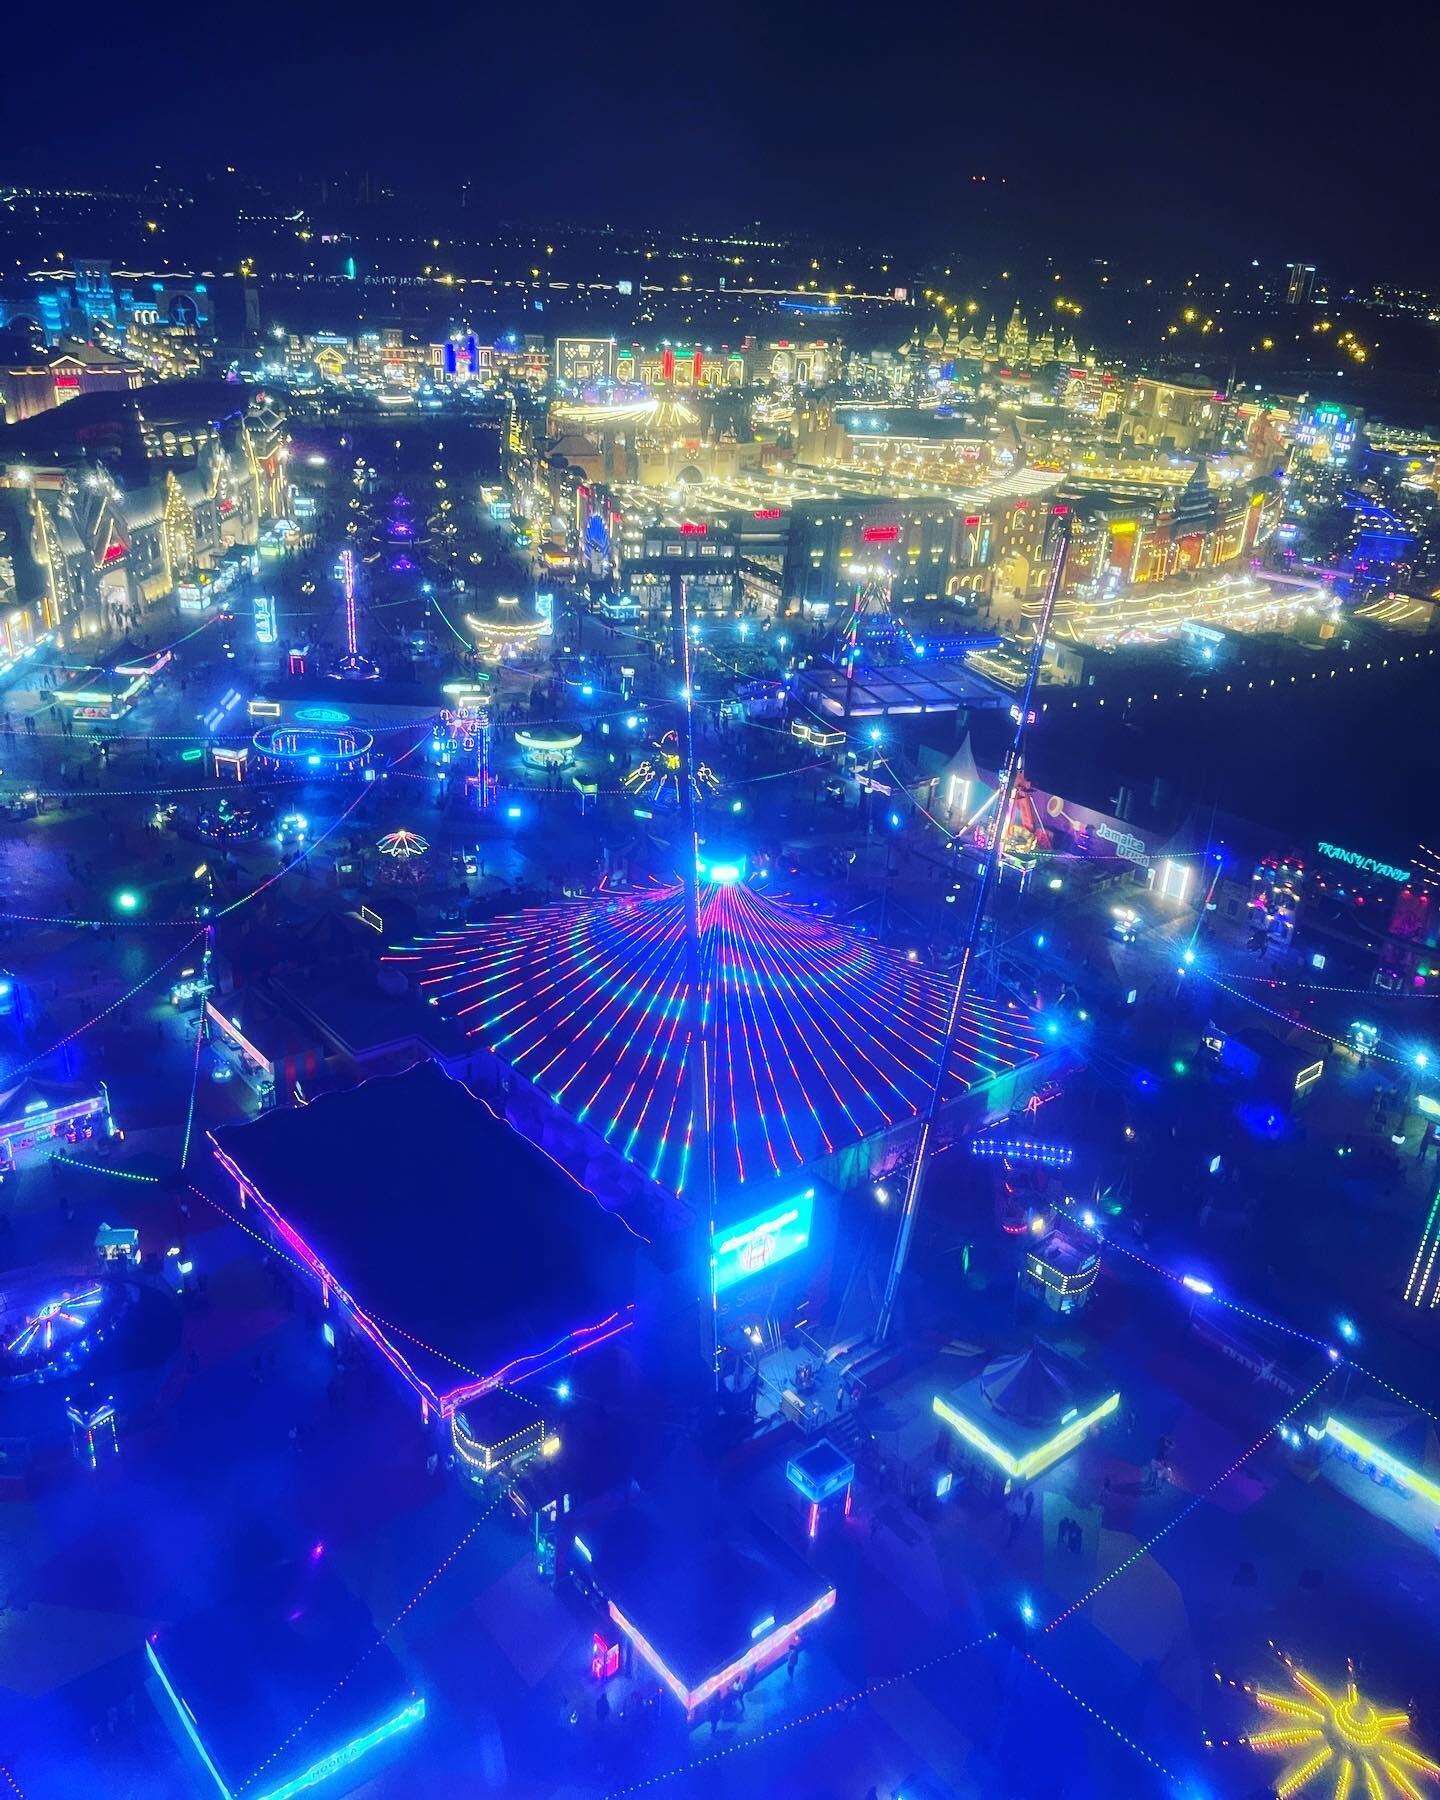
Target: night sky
column 1190, row 135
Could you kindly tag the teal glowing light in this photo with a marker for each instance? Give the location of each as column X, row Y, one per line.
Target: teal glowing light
column 349, row 1753
column 193, row 754
column 754, row 1244
column 726, row 870
column 322, row 715
column 127, row 900
column 410, row 1714
column 182, row 1712
column 1367, row 865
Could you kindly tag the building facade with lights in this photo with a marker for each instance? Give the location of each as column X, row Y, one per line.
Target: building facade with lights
column 38, row 383
column 108, row 504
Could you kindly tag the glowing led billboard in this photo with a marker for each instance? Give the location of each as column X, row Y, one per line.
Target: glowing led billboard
column 751, row 1246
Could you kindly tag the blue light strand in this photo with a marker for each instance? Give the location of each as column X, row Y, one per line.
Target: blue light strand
column 1298, row 1024
column 105, row 1011
column 224, row 912
column 1323, row 987
column 1094, row 1232
column 74, row 1162
column 1101, row 1719
column 1370, row 1375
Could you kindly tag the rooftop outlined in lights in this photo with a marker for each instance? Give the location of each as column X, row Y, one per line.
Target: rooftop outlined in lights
column 419, row 1205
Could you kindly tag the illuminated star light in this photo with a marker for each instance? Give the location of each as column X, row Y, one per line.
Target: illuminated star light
column 69, row 1309
column 1342, row 1740
column 403, row 844
column 657, row 777
column 821, row 1036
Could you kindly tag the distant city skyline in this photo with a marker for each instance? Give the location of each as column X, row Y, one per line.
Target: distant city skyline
column 1040, row 134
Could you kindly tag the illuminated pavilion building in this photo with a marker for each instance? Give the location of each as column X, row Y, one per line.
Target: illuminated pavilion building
column 1022, row 1414
column 700, row 1599
column 825, row 1042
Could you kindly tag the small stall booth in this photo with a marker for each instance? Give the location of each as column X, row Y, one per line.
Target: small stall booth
column 498, row 1431
column 117, row 1247
column 1060, row 1270
column 38, row 1114
column 824, row 1478
column 1021, row 1414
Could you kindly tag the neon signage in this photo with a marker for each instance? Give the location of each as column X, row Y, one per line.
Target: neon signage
column 1127, row 846
column 1367, row 865
column 753, row 1245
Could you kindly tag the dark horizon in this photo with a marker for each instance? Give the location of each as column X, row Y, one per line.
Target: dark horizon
column 1162, row 146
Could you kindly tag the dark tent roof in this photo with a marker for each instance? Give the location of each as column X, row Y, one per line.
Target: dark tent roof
column 700, row 1585
column 465, row 1242
column 1037, row 1386
column 257, row 1670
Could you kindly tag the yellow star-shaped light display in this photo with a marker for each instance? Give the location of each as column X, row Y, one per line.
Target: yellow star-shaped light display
column 1340, row 1745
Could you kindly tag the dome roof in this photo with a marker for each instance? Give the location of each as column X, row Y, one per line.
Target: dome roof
column 1034, row 1387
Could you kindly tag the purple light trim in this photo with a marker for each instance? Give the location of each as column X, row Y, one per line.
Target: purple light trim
column 582, row 1338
